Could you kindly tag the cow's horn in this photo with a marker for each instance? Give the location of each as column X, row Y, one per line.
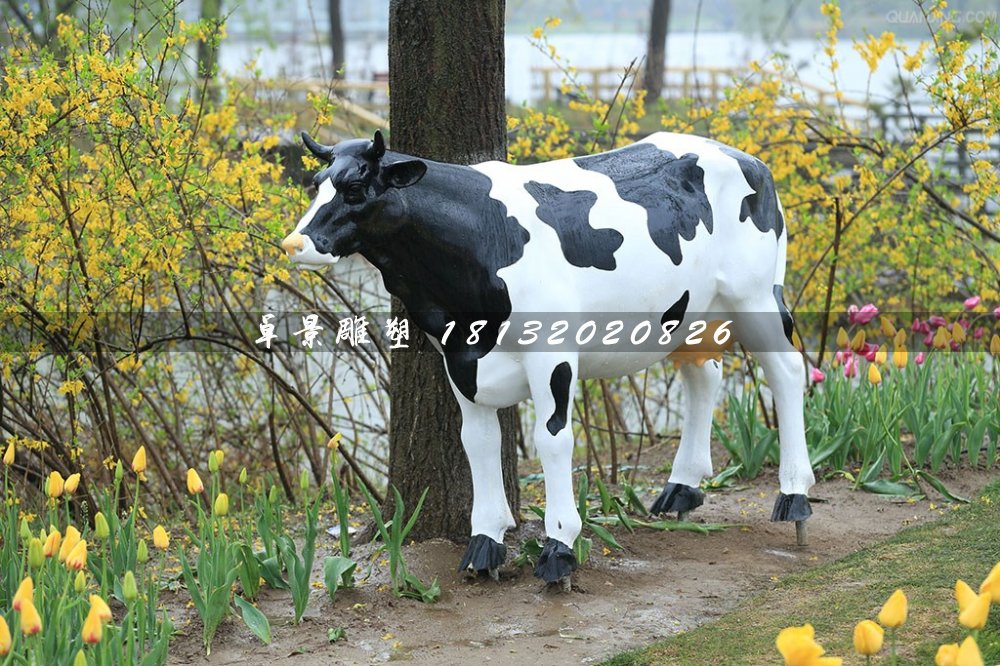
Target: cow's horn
column 377, row 149
column 319, row 150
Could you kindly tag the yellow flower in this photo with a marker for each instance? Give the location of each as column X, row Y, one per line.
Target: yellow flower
column 222, row 504
column 101, row 528
column 334, row 442
column 69, row 542
column 77, row 558
column 888, row 330
column 72, row 483
column 858, row 343
column 893, row 613
column 899, row 357
column 975, row 614
column 161, row 539
column 36, row 555
column 5, row 640
column 31, row 621
column 52, row 544
column 798, row 647
column 874, row 376
column 958, row 333
column 129, row 588
column 139, row 461
column 213, row 461
column 25, row 592
column 537, row 33
column 141, row 552
column 900, row 338
column 93, row 628
column 80, row 659
column 868, row 638
column 881, row 355
column 963, row 595
column 8, row 456
column 946, row 655
column 194, row 483
column 842, row 339
column 995, row 345
column 968, row 653
column 992, row 584
column 55, row 486
column 80, row 582
column 101, row 607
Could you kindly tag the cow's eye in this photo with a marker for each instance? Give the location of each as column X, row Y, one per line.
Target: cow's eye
column 354, row 193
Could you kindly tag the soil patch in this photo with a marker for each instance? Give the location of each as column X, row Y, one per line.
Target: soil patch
column 662, row 584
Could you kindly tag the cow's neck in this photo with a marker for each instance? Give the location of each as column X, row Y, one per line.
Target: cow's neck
column 440, row 244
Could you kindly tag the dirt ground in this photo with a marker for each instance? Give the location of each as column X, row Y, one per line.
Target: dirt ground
column 664, row 583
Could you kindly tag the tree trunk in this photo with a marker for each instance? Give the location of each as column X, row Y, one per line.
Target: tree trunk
column 656, row 49
column 446, row 73
column 336, row 38
column 208, row 50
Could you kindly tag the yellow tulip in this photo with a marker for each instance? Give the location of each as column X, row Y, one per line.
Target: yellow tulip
column 102, row 608
column 69, row 542
column 101, row 528
column 77, row 558
column 72, row 483
column 893, row 613
column 213, row 462
column 992, row 584
column 139, row 461
column 798, row 647
column 194, row 483
column 868, row 637
column 842, row 339
column 129, row 588
column 975, row 614
column 874, row 376
column 900, row 339
column 93, row 628
column 219, row 456
column 995, row 345
column 80, row 659
column 36, row 553
column 881, row 355
column 141, row 552
column 31, row 621
column 958, row 333
column 25, row 592
column 161, row 539
column 243, row 476
column 899, row 358
column 80, row 582
column 55, row 486
column 8, row 455
column 858, row 342
column 968, row 653
column 941, row 338
column 964, row 595
column 946, row 655
column 5, row 639
column 888, row 330
column 222, row 504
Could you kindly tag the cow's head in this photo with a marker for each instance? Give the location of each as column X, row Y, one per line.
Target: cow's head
column 352, row 194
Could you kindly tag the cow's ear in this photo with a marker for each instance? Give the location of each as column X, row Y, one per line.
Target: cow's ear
column 403, row 174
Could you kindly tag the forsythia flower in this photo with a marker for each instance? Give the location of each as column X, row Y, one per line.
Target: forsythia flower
column 194, row 484
column 72, row 483
column 25, row 592
column 31, row 621
column 139, row 461
column 868, row 638
column 222, row 504
column 161, row 539
column 893, row 613
column 975, row 614
column 77, row 558
column 56, row 485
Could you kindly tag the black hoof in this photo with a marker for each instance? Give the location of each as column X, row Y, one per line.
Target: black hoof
column 678, row 497
column 791, row 507
column 556, row 562
column 483, row 554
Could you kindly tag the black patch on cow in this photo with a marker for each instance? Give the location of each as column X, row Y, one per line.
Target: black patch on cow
column 569, row 214
column 677, row 311
column 562, row 375
column 670, row 188
column 762, row 205
column 556, row 561
column 441, row 256
column 791, row 507
column 786, row 317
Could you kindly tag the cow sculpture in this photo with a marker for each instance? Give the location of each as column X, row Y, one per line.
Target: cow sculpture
column 676, row 229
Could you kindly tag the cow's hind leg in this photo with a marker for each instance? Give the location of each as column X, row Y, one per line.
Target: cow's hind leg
column 765, row 330
column 552, row 380
column 491, row 516
column 693, row 461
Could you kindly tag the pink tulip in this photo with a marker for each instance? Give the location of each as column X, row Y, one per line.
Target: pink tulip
column 919, row 360
column 916, row 325
column 928, row 339
column 963, row 322
column 925, row 327
column 996, row 313
column 851, row 368
column 955, row 346
column 978, row 333
column 816, row 375
column 862, row 316
column 936, row 321
column 869, row 354
column 841, row 356
column 971, row 302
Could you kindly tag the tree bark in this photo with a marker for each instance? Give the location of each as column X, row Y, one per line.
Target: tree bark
column 656, row 49
column 336, row 38
column 208, row 49
column 446, row 74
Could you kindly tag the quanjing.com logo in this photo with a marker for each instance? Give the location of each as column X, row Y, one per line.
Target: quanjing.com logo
column 915, row 16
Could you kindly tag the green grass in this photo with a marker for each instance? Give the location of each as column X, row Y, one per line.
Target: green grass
column 924, row 561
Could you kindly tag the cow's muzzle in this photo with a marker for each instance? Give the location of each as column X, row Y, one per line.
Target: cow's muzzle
column 294, row 242
column 301, row 250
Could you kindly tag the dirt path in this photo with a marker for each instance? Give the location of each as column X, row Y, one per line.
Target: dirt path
column 662, row 584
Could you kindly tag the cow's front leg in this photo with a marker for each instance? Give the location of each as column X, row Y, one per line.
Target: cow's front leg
column 552, row 381
column 693, row 461
column 491, row 516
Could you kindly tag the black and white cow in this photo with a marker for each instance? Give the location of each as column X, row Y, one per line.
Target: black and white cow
column 672, row 227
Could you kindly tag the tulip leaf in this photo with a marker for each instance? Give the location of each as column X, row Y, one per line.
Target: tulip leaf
column 939, row 486
column 255, row 620
column 338, row 572
column 893, row 488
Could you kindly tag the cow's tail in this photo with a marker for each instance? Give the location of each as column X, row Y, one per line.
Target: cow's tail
column 779, row 276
